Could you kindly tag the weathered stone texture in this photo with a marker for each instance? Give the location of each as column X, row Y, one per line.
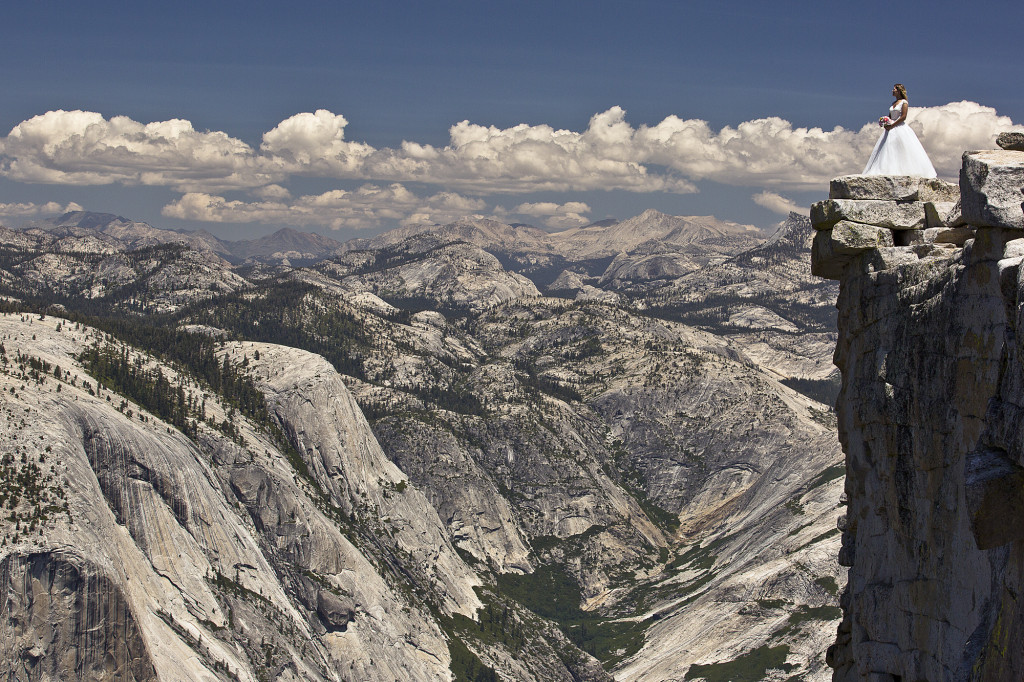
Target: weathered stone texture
column 1011, row 141
column 995, row 496
column 62, row 618
column 941, row 213
column 834, row 248
column 949, row 235
column 990, row 188
column 931, row 417
column 891, row 214
column 892, row 188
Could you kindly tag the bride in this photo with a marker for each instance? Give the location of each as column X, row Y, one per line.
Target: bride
column 898, row 151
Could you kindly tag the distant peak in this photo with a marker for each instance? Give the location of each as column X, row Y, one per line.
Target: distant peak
column 653, row 213
column 89, row 219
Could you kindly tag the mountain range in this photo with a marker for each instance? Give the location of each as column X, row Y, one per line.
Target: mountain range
column 470, row 451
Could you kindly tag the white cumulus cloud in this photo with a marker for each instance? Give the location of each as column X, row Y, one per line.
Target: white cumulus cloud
column 948, row 131
column 29, row 209
column 84, row 148
column 272, row 191
column 314, row 144
column 366, row 207
column 569, row 214
column 778, row 203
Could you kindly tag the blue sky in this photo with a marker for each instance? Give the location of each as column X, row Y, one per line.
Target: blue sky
column 608, row 92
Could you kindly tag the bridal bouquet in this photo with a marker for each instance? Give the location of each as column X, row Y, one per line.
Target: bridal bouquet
column 884, row 121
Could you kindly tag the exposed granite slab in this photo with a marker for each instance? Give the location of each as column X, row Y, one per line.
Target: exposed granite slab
column 926, row 379
column 990, row 188
column 834, row 248
column 891, row 214
column 892, row 188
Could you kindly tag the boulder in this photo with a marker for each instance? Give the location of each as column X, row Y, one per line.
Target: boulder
column 990, row 188
column 891, row 214
column 955, row 217
column 824, row 261
column 892, row 188
column 1014, row 248
column 833, row 249
column 1011, row 141
column 851, row 239
column 335, row 611
column 934, row 189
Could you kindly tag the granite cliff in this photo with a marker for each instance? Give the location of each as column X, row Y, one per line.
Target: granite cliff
column 931, row 419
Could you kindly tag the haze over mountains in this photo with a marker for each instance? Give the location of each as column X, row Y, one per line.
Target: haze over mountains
column 477, row 448
column 88, row 231
column 607, row 237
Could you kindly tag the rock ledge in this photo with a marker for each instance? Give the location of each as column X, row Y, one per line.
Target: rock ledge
column 931, row 420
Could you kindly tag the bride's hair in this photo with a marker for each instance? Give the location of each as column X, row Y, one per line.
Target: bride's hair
column 901, row 91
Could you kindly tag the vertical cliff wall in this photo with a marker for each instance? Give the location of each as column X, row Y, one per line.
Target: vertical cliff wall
column 931, row 418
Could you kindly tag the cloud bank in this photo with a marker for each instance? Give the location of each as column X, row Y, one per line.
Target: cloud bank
column 569, row 214
column 29, row 209
column 84, row 148
column 366, row 207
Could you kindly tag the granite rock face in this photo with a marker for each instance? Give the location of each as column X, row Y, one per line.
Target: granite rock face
column 930, row 418
column 990, row 185
column 63, row 618
column 197, row 559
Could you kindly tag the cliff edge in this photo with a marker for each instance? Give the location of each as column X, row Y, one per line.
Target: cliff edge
column 931, row 419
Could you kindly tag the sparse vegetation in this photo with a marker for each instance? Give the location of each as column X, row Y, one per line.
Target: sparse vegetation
column 829, row 584
column 551, row 593
column 466, row 666
column 794, row 506
column 750, row 667
column 825, row 391
column 804, row 614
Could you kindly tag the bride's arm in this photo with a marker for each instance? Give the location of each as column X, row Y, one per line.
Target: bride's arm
column 901, row 119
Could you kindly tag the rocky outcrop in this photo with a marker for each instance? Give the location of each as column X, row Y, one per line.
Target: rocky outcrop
column 1011, row 141
column 452, row 274
column 930, row 418
column 200, row 559
column 308, row 398
column 886, row 211
column 646, row 267
column 991, row 183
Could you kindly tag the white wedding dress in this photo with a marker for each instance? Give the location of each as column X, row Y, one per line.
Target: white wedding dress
column 899, row 152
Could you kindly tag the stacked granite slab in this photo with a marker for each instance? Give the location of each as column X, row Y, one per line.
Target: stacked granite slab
column 865, row 213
